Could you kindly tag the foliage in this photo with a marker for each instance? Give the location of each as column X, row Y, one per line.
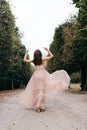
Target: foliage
column 75, row 77
column 80, row 46
column 80, row 41
column 69, row 30
column 13, row 71
column 56, row 49
column 61, row 48
column 6, row 30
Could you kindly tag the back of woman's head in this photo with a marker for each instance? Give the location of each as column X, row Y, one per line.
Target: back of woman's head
column 37, row 57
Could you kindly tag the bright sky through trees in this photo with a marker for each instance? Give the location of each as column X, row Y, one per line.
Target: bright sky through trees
column 37, row 20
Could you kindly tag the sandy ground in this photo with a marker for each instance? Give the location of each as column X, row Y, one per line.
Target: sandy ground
column 66, row 112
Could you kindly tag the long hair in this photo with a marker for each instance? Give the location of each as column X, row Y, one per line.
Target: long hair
column 37, row 57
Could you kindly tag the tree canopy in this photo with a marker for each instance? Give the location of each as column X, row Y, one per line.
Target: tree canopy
column 13, row 71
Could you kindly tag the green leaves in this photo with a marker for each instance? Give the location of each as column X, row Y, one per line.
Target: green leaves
column 6, row 27
column 80, row 39
column 80, row 46
column 56, row 49
column 80, row 42
column 11, row 51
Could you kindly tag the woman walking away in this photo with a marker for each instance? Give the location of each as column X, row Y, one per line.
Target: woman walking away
column 42, row 85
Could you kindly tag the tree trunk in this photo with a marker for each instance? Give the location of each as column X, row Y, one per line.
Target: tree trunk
column 12, row 85
column 84, row 76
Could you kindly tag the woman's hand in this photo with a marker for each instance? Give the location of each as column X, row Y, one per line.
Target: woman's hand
column 46, row 48
column 25, row 57
column 50, row 54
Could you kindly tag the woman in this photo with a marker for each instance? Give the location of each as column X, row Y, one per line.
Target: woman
column 42, row 85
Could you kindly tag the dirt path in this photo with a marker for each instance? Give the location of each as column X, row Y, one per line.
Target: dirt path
column 65, row 112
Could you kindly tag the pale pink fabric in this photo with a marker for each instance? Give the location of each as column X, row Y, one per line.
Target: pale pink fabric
column 43, row 86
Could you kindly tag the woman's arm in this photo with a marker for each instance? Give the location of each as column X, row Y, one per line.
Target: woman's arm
column 50, row 55
column 25, row 57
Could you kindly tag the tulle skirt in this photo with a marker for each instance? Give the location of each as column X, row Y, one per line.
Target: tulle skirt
column 43, row 86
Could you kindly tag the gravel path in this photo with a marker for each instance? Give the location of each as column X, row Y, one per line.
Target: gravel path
column 65, row 112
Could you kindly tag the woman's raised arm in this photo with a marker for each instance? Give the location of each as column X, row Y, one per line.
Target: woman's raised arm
column 25, row 57
column 50, row 54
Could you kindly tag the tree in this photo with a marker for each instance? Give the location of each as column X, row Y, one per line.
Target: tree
column 80, row 41
column 69, row 30
column 6, row 39
column 61, row 47
column 6, row 29
column 56, row 49
column 13, row 71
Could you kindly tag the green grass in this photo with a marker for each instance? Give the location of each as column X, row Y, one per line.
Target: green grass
column 76, row 89
column 75, row 86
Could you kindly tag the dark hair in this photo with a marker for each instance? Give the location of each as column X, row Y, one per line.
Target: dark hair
column 37, row 57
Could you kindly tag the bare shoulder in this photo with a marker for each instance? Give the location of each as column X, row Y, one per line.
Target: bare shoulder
column 46, row 58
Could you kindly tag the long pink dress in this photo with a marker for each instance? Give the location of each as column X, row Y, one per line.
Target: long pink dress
column 43, row 86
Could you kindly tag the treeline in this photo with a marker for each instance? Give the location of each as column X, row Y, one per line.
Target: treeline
column 14, row 73
column 61, row 47
column 69, row 46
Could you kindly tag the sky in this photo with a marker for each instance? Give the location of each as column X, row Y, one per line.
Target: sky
column 37, row 20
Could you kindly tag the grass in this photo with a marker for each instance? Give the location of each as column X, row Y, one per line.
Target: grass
column 75, row 89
